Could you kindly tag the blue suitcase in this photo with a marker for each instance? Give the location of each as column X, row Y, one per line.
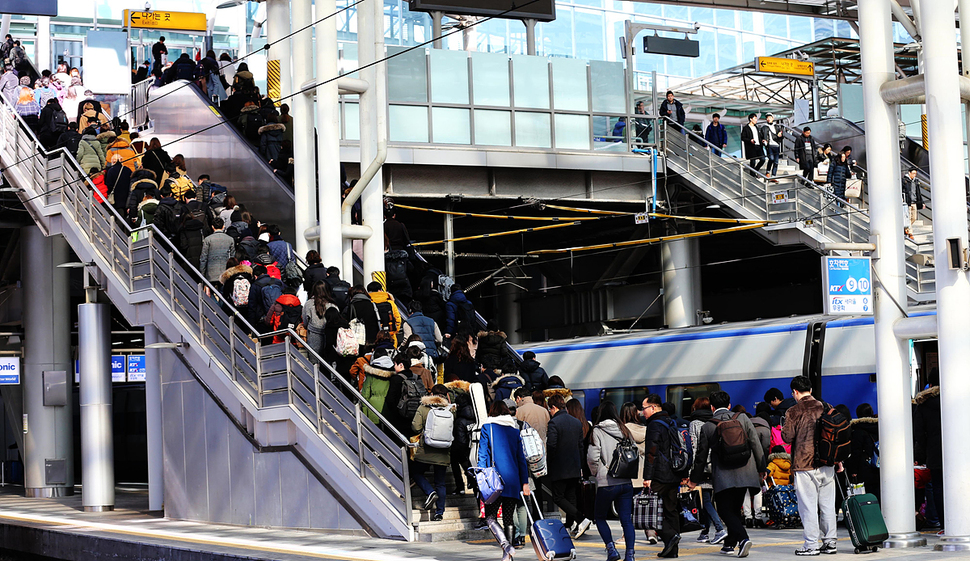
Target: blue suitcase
column 549, row 536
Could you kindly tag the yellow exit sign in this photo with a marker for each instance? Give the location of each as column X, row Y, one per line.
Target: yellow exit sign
column 157, row 19
column 788, row 66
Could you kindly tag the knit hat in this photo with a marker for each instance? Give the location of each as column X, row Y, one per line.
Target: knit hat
column 265, row 259
column 509, row 402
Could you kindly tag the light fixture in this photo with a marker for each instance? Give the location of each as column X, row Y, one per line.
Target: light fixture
column 713, row 206
column 76, row 265
column 704, row 316
column 167, row 345
column 11, row 190
column 231, row 4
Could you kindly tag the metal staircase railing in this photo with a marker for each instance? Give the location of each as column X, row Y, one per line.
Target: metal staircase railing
column 138, row 102
column 143, row 263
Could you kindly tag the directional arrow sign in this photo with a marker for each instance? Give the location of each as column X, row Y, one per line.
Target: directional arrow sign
column 789, row 66
column 176, row 21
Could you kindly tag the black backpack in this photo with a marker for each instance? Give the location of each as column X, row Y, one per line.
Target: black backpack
column 385, row 315
column 466, row 315
column 59, row 121
column 832, row 437
column 290, row 317
column 412, row 390
column 396, row 265
column 731, row 443
column 341, row 293
column 253, row 121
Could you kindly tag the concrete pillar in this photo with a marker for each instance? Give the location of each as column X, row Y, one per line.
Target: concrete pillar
column 511, row 316
column 49, row 436
column 328, row 135
column 886, row 225
column 277, row 27
column 952, row 285
column 304, row 184
column 373, row 128
column 4, row 26
column 153, row 420
column 42, row 46
column 97, row 443
column 680, row 275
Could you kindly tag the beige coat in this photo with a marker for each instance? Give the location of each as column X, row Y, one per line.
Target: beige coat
column 639, row 434
column 535, row 415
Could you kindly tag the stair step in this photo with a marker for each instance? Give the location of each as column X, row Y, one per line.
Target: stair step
column 451, row 514
column 451, row 501
column 449, row 531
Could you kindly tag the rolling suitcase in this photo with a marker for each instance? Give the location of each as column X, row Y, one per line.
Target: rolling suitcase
column 587, row 498
column 864, row 519
column 549, row 536
column 781, row 505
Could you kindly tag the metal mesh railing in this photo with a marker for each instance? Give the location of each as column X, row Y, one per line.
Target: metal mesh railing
column 271, row 375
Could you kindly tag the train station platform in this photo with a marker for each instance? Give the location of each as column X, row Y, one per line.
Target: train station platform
column 60, row 529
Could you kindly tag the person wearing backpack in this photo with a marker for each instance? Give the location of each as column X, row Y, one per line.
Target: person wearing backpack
column 814, row 482
column 404, row 392
column 377, row 381
column 608, row 434
column 737, row 467
column 217, row 248
column 236, row 281
column 434, row 421
column 460, row 314
column 863, row 464
column 387, row 312
column 701, row 413
column 262, row 294
column 425, row 327
column 339, row 287
column 658, row 473
column 286, row 312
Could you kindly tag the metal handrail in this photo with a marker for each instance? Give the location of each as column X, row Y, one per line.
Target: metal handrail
column 105, row 226
column 139, row 101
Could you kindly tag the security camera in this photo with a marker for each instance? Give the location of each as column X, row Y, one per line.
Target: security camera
column 707, row 320
column 705, row 316
column 148, row 6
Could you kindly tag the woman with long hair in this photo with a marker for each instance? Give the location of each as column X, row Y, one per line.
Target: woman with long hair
column 606, row 435
column 630, row 417
column 461, row 364
column 501, row 447
column 226, row 213
column 315, row 318
column 156, row 159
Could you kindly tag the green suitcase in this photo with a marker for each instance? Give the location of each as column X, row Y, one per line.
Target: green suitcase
column 865, row 522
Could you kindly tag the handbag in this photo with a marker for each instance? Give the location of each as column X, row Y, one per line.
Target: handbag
column 690, row 511
column 490, row 485
column 853, row 189
column 647, row 511
column 626, row 459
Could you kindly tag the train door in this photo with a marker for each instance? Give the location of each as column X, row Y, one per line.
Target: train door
column 812, row 362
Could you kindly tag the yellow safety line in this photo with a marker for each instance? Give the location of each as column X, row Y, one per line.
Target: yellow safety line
column 590, row 210
column 502, row 216
column 498, row 234
column 711, row 219
column 651, row 240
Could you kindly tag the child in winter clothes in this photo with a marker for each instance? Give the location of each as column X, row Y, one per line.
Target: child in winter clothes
column 779, row 466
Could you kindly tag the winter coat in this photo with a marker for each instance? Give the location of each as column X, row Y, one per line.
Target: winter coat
column 100, row 189
column 535, row 376
column 191, row 237
column 10, row 86
column 504, row 385
column 779, row 468
column 865, row 439
column 262, row 295
column 395, row 386
column 282, row 252
column 716, row 135
column 458, row 299
column 146, row 212
column 89, row 153
column 69, row 141
column 424, row 327
column 676, row 111
column 427, row 454
column 466, row 370
column 751, row 151
column 271, row 140
column 839, row 173
column 536, row 416
column 912, row 193
column 141, row 183
column 806, row 152
column 381, row 297
column 656, row 443
column 217, row 248
column 316, row 326
column 799, row 431
column 763, row 428
column 491, row 349
column 397, row 234
column 638, row 433
column 432, row 303
column 313, row 274
column 928, row 428
column 91, row 118
column 168, row 217
column 228, row 279
column 697, row 421
column 501, row 447
column 458, row 392
column 156, row 160
column 362, row 308
column 606, row 435
column 106, row 139
column 564, row 447
column 746, row 476
column 377, row 381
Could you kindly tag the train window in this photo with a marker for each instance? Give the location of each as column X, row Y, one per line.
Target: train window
column 619, row 396
column 683, row 396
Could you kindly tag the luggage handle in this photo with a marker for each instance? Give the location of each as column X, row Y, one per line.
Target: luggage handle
column 528, row 507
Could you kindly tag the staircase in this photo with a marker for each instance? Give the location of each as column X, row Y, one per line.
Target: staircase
column 282, row 395
column 803, row 212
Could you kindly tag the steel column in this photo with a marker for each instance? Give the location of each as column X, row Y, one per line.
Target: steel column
column 277, row 27
column 373, row 128
column 97, row 443
column 679, row 278
column 304, row 184
column 328, row 135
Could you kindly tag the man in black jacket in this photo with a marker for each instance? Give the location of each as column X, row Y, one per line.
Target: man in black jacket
column 657, row 473
column 913, row 195
column 159, row 49
column 805, row 151
column 751, row 141
column 168, row 215
column 673, row 109
column 928, row 437
column 564, row 456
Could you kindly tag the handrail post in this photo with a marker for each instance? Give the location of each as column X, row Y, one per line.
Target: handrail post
column 201, row 314
column 151, row 259
column 710, row 166
column 90, row 213
column 316, row 391
column 741, row 169
column 407, row 487
column 111, row 237
column 259, row 372
column 232, row 344
column 171, row 283
column 131, row 266
column 289, row 370
column 360, row 442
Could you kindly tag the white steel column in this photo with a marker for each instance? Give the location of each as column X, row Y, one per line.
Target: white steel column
column 153, row 420
column 373, row 128
column 952, row 286
column 886, row 226
column 530, row 36
column 304, row 191
column 679, row 277
column 42, row 47
column 328, row 135
column 277, row 27
column 97, row 443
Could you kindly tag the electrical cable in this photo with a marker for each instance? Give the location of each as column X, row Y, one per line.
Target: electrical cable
column 501, row 216
column 649, row 241
column 498, row 234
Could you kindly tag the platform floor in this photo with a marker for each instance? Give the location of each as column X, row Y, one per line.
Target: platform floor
column 60, row 529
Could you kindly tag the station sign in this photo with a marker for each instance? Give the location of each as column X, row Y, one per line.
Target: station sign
column 9, row 371
column 847, row 285
column 118, row 368
column 136, row 368
column 157, row 19
column 789, row 66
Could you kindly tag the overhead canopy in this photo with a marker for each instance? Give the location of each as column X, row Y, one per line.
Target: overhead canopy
column 836, row 9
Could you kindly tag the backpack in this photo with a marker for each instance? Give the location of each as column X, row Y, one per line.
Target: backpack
column 681, row 454
column 444, row 286
column 253, row 122
column 396, row 265
column 685, row 437
column 731, row 445
column 832, row 437
column 777, row 440
column 292, row 274
column 439, row 428
column 385, row 314
column 240, row 292
column 874, row 458
column 347, row 344
column 412, row 390
column 290, row 317
column 341, row 293
column 59, row 121
column 532, row 447
column 247, row 244
column 465, row 315
column 274, row 271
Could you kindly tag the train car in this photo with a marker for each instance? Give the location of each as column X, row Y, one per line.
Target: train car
column 744, row 359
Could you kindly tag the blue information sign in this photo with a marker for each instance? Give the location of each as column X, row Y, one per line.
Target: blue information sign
column 847, row 285
column 136, row 368
column 9, row 370
column 118, row 368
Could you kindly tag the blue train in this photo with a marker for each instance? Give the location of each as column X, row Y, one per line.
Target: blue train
column 744, row 359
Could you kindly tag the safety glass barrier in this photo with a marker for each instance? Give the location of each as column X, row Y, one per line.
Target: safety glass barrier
column 288, row 374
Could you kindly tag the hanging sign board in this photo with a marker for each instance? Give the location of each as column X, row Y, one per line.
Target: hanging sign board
column 136, row 368
column 9, row 370
column 174, row 21
column 847, row 285
column 790, row 66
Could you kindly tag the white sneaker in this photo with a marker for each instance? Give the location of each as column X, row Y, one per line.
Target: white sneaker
column 582, row 528
column 719, row 536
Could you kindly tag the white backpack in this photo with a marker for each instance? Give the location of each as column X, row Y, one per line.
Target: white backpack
column 359, row 330
column 346, row 342
column 533, row 450
column 439, row 428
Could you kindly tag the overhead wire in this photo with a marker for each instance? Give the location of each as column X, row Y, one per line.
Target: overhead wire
column 499, row 216
column 497, row 234
column 649, row 241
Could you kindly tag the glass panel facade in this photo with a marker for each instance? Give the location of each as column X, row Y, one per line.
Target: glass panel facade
column 569, row 84
column 532, row 130
column 449, row 76
column 493, row 128
column 351, row 121
column 451, row 126
column 490, row 79
column 407, row 123
column 607, row 79
column 530, row 77
column 572, row 132
column 407, row 76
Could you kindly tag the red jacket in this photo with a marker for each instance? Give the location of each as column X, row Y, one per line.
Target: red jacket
column 101, row 190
